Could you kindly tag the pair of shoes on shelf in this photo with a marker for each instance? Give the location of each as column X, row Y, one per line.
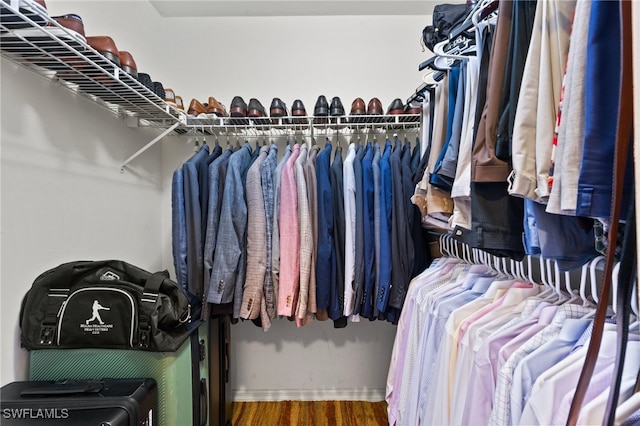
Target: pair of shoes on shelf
column 255, row 109
column 155, row 87
column 398, row 108
column 105, row 45
column 323, row 109
column 212, row 107
column 107, row 48
column 71, row 22
column 172, row 99
column 374, row 107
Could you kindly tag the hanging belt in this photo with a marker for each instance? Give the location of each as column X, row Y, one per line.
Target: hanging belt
column 623, row 138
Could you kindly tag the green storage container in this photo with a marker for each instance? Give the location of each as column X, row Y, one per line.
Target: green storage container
column 171, row 370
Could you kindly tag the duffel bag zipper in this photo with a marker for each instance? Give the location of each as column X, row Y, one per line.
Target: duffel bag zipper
column 63, row 307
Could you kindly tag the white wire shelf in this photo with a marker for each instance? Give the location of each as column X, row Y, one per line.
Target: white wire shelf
column 306, row 124
column 32, row 39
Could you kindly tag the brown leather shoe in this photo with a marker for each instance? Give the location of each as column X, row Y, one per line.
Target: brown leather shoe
column 196, row 108
column 106, row 46
column 358, row 107
column 127, row 64
column 72, row 22
column 412, row 109
column 374, row 107
column 215, row 107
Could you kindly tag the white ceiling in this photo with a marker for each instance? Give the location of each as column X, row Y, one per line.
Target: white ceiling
column 205, row 8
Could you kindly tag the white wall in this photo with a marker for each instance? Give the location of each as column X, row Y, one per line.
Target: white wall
column 63, row 196
column 263, row 57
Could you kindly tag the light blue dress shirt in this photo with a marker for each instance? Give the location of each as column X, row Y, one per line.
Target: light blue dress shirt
column 540, row 360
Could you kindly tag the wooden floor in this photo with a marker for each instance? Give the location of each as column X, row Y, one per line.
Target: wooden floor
column 307, row 413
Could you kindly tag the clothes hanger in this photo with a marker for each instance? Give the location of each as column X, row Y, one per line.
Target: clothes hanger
column 451, row 247
column 519, row 270
column 217, row 144
column 443, row 252
column 614, row 287
column 592, row 272
column 634, row 306
column 573, row 295
column 583, row 285
column 474, row 255
column 481, row 11
column 204, row 137
column 513, row 269
column 529, row 275
column 466, row 255
column 197, row 143
column 458, row 49
column 549, row 293
column 562, row 297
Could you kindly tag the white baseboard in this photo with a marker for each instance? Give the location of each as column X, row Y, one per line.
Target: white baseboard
column 243, row 395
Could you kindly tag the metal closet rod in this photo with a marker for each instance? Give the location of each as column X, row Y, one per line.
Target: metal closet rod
column 269, row 130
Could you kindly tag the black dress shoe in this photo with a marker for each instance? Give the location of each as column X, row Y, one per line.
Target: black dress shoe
column 322, row 107
column 256, row 109
column 238, row 107
column 297, row 109
column 412, row 109
column 336, row 108
column 278, row 108
column 396, row 107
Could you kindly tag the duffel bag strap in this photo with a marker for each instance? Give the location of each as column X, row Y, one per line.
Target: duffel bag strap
column 148, row 302
column 56, row 296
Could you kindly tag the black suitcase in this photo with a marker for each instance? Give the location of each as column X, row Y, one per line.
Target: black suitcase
column 113, row 402
column 181, row 376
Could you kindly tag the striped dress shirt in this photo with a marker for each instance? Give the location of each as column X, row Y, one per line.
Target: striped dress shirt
column 501, row 413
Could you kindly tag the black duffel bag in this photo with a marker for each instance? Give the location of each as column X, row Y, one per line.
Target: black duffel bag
column 445, row 18
column 107, row 304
